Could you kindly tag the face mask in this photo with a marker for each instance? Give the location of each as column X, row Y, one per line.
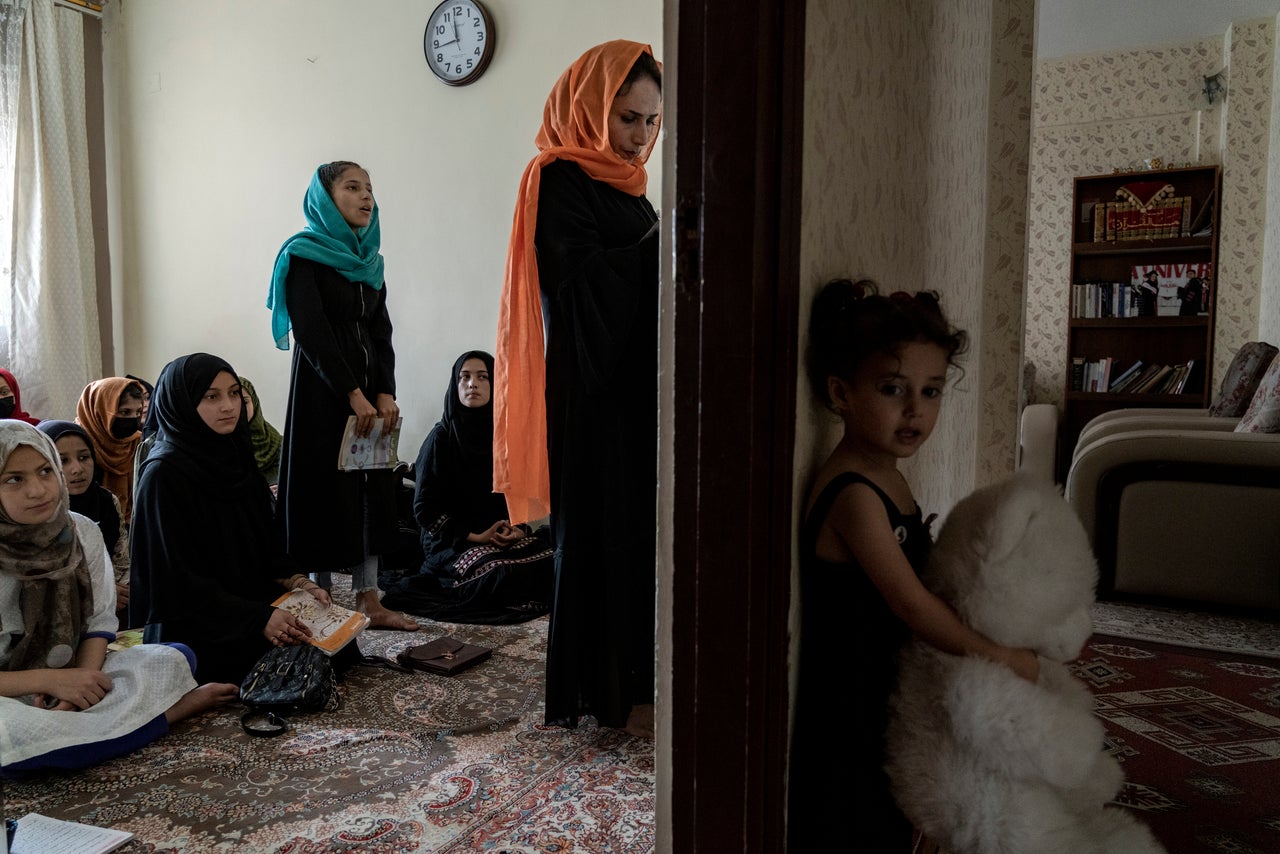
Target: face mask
column 123, row 428
column 7, row 405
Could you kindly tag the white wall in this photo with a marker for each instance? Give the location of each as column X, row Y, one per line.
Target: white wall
column 218, row 113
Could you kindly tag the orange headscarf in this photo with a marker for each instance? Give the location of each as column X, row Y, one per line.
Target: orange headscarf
column 575, row 126
column 98, row 404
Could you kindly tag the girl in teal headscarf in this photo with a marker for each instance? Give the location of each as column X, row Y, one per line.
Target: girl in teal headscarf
column 327, row 287
column 355, row 252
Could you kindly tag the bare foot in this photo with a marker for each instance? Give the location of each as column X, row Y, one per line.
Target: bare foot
column 367, row 603
column 201, row 699
column 640, row 722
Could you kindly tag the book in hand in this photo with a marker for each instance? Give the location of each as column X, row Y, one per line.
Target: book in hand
column 39, row 834
column 332, row 626
column 379, row 450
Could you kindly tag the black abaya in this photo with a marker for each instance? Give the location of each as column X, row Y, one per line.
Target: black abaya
column 205, row 554
column 342, row 334
column 598, row 270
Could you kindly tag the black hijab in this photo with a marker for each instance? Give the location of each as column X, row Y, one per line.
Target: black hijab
column 470, row 429
column 95, row 502
column 216, row 461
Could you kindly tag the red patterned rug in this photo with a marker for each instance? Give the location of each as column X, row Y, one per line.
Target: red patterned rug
column 1198, row 735
column 410, row 762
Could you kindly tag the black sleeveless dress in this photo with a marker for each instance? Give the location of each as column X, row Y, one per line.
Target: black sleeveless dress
column 849, row 643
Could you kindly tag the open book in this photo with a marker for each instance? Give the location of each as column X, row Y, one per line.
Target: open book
column 40, row 834
column 332, row 627
column 379, row 450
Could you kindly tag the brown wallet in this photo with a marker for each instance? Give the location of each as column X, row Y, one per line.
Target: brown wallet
column 444, row 656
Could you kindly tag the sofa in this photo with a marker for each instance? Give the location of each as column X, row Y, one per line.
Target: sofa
column 1184, row 505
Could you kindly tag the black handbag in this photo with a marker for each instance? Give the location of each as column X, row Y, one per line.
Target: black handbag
column 287, row 679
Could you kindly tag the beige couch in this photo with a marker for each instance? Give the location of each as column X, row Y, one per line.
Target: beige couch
column 1180, row 507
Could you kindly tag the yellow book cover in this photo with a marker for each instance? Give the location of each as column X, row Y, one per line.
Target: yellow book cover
column 332, row 627
column 126, row 638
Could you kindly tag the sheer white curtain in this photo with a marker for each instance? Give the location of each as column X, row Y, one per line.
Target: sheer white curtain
column 12, row 13
column 50, row 303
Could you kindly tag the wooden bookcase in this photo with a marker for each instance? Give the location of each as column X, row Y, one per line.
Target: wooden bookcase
column 1171, row 340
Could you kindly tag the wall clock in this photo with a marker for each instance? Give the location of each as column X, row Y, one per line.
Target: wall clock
column 459, row 41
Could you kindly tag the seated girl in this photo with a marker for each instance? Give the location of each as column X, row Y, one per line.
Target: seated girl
column 265, row 438
column 206, row 561
column 478, row 568
column 65, row 701
column 90, row 499
column 110, row 411
column 11, row 399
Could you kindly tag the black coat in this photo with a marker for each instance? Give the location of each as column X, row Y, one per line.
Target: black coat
column 598, row 270
column 342, row 341
column 206, row 557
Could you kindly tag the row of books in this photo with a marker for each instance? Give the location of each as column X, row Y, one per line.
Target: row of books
column 1110, row 299
column 1138, row 378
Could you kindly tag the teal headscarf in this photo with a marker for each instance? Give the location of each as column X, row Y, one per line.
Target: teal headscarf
column 330, row 241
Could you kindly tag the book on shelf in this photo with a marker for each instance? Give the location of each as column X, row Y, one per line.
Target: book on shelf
column 1148, row 385
column 1179, row 289
column 1077, row 373
column 1124, row 377
column 1202, row 224
column 1186, row 374
column 379, row 450
column 332, row 626
column 40, row 834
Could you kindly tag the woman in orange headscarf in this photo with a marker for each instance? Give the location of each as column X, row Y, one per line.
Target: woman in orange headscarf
column 110, row 411
column 575, row 430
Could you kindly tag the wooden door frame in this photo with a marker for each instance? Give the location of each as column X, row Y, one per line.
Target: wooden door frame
column 739, row 94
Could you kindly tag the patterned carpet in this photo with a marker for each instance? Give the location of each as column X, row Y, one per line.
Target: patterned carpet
column 410, row 762
column 1198, row 735
column 1197, row 630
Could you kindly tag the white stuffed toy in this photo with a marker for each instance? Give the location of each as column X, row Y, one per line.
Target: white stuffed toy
column 981, row 760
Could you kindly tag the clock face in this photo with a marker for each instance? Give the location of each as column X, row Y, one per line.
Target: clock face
column 459, row 41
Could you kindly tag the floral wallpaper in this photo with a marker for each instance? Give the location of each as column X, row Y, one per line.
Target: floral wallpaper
column 1093, row 113
column 917, row 117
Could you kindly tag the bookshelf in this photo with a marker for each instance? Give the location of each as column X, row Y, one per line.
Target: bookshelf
column 1143, row 286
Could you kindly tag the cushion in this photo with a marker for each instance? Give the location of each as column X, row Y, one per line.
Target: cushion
column 1263, row 414
column 1242, row 379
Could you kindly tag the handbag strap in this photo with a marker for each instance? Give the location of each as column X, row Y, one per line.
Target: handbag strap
column 271, row 725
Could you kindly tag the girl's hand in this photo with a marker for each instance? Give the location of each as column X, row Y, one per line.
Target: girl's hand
column 122, row 595
column 364, row 412
column 388, row 411
column 507, row 535
column 490, row 535
column 319, row 593
column 284, row 629
column 74, row 688
column 1023, row 662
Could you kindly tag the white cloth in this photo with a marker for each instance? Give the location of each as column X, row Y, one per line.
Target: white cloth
column 145, row 680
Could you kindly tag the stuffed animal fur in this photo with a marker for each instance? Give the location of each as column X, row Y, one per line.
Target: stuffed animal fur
column 981, row 760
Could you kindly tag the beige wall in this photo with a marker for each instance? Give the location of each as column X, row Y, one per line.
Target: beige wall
column 219, row 114
column 916, row 122
column 1099, row 112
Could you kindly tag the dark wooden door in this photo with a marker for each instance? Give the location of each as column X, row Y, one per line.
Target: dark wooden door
column 739, row 94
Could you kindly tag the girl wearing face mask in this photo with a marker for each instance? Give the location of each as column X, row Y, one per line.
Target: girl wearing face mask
column 90, row 499
column 110, row 411
column 478, row 567
column 11, row 400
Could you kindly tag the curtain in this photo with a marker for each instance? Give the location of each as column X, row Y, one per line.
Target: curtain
column 53, row 345
column 12, row 13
